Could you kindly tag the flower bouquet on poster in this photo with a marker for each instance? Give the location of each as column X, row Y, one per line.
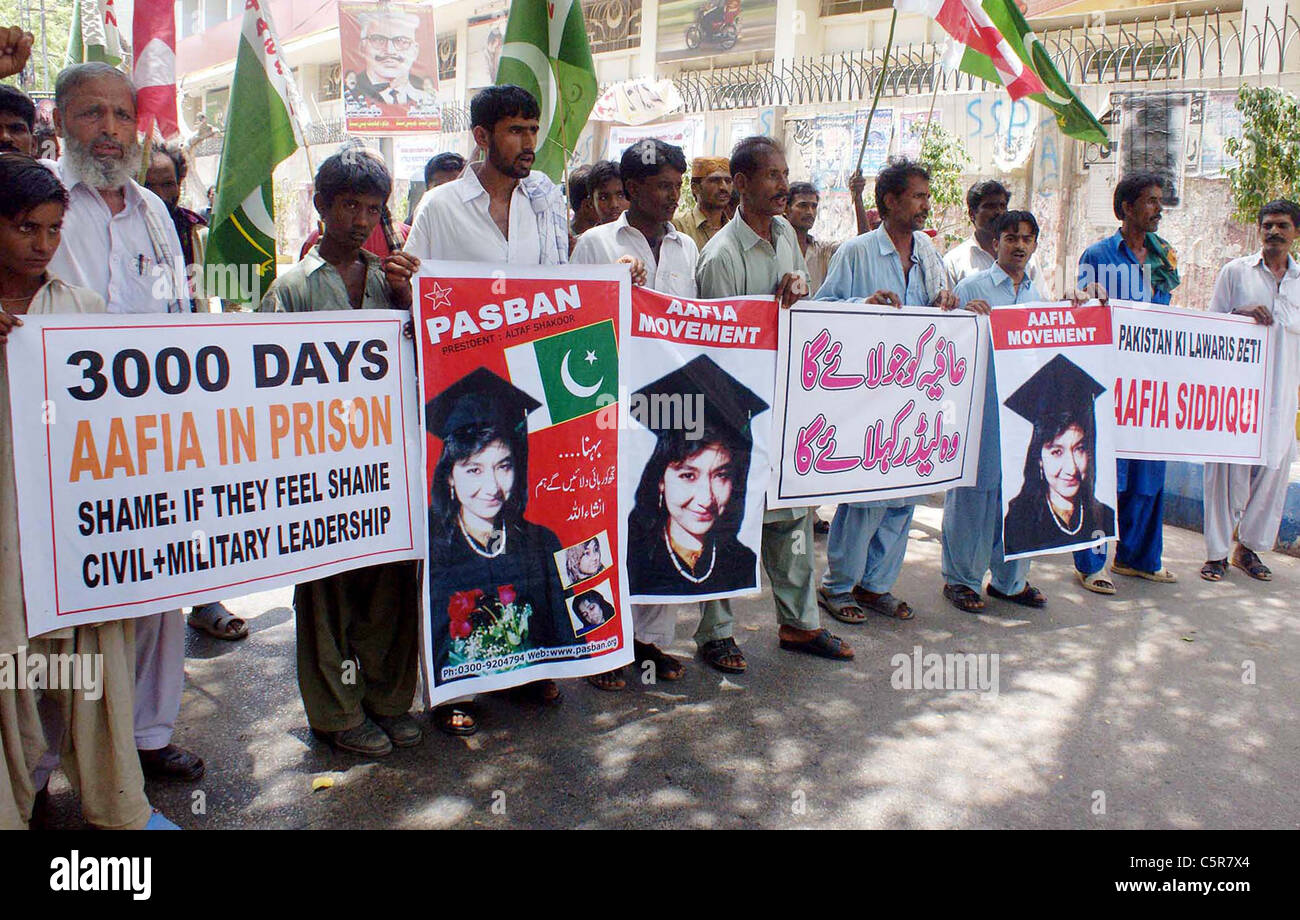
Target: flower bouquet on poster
column 520, row 385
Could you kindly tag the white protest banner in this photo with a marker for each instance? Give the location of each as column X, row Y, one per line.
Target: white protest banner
column 1058, row 433
column 678, row 133
column 178, row 459
column 1189, row 385
column 875, row 402
column 519, row 379
column 693, row 445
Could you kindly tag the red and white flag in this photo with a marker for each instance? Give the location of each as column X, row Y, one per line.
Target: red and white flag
column 153, row 39
column 972, row 29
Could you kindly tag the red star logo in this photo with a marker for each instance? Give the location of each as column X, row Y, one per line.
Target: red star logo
column 440, row 297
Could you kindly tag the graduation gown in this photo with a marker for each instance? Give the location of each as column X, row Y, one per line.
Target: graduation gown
column 1031, row 525
column 651, row 571
column 527, row 565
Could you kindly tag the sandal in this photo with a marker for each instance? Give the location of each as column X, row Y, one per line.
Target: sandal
column 666, row 666
column 444, row 717
column 1249, row 562
column 964, row 599
column 611, row 681
column 1164, row 576
column 885, row 604
column 844, row 607
column 1214, row 569
column 716, row 651
column 542, row 692
column 1097, row 582
column 1028, row 597
column 822, row 644
column 218, row 622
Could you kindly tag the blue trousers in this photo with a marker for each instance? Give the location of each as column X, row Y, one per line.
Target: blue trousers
column 866, row 546
column 1141, row 535
column 972, row 543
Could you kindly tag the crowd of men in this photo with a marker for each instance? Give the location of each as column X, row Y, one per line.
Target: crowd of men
column 75, row 232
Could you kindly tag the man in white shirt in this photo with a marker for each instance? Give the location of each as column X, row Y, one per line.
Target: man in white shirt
column 1266, row 286
column 986, row 201
column 499, row 210
column 119, row 241
column 652, row 173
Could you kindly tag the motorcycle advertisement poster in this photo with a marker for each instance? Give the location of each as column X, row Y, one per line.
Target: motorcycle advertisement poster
column 703, row 28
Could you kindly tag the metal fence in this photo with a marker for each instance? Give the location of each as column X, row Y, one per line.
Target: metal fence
column 1210, row 44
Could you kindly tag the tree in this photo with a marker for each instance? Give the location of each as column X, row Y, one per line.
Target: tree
column 945, row 156
column 1267, row 153
column 58, row 23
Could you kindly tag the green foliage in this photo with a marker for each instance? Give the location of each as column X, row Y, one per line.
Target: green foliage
column 686, row 203
column 1267, row 153
column 58, row 23
column 946, row 157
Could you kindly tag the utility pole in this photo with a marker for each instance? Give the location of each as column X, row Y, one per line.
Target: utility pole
column 45, row 52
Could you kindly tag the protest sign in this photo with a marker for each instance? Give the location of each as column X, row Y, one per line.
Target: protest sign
column 182, row 459
column 693, row 444
column 1189, row 385
column 519, row 381
column 875, row 402
column 389, row 54
column 1052, row 364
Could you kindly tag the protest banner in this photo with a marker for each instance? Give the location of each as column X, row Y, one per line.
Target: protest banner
column 1189, row 385
column 1052, row 362
column 389, row 55
column 519, row 380
column 171, row 460
column 693, row 444
column 875, row 402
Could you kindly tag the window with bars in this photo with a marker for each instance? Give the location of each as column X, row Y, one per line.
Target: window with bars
column 612, row 25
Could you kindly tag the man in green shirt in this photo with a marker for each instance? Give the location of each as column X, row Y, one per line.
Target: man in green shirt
column 367, row 615
column 758, row 253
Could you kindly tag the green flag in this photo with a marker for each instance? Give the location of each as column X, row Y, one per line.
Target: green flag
column 94, row 34
column 1072, row 116
column 261, row 132
column 576, row 372
column 546, row 52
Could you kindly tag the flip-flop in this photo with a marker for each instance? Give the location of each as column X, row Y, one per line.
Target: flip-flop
column 1097, row 582
column 442, row 716
column 715, row 650
column 837, row 604
column 1028, row 597
column 822, row 644
column 1249, row 562
column 1214, row 569
column 218, row 622
column 1164, row 576
column 884, row 604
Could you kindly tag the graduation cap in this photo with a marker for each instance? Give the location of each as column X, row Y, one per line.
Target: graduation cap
column 478, row 398
column 729, row 405
column 1058, row 385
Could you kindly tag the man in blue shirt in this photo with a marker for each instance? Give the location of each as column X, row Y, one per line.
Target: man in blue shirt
column 895, row 264
column 1134, row 264
column 972, row 517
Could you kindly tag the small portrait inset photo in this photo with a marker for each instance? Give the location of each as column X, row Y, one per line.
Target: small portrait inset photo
column 591, row 609
column 581, row 561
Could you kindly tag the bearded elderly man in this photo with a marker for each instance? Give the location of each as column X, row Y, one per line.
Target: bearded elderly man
column 119, row 241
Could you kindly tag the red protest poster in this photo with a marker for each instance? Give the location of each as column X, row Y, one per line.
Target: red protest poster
column 389, row 54
column 519, row 382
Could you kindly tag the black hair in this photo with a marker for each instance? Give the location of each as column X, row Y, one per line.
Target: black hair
column 976, row 194
column 607, row 610
column 14, row 101
column 26, row 184
column 353, row 170
column 602, row 171
column 443, row 162
column 174, row 154
column 1130, row 188
column 802, row 188
column 1011, row 220
column 893, row 179
column 493, row 103
column 579, row 187
column 1281, row 206
column 648, row 517
column 1047, row 429
column 461, row 444
column 648, row 156
column 749, row 152
column 70, row 78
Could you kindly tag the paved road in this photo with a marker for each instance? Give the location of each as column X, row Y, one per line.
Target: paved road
column 1127, row 712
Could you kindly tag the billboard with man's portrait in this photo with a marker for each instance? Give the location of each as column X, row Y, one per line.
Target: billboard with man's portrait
column 390, row 68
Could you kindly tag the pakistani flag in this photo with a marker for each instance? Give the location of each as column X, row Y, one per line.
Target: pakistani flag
column 992, row 41
column 546, row 52
column 261, row 131
column 94, row 35
column 571, row 373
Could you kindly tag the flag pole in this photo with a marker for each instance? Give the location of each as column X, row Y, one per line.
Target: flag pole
column 880, row 85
